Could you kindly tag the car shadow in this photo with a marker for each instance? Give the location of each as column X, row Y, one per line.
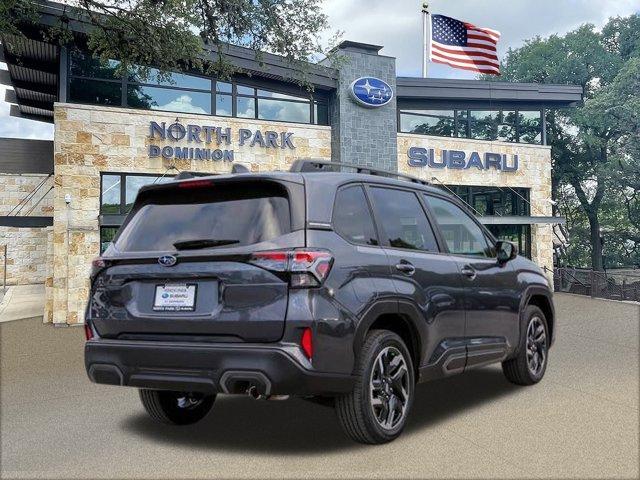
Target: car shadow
column 297, row 426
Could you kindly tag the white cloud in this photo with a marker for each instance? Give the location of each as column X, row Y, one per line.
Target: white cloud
column 184, row 103
column 397, row 25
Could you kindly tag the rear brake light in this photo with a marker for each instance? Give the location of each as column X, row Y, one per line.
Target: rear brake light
column 88, row 332
column 97, row 264
column 306, row 343
column 195, row 183
column 308, row 267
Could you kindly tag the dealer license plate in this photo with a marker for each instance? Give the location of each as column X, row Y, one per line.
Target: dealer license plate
column 175, row 297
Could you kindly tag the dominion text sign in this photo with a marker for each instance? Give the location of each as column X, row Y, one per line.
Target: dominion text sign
column 457, row 159
column 201, row 135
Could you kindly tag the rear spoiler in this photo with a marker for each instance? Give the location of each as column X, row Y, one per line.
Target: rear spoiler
column 185, row 175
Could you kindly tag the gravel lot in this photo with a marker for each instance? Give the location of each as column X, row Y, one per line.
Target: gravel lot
column 580, row 422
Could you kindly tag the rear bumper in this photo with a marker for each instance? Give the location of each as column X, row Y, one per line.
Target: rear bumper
column 213, row 368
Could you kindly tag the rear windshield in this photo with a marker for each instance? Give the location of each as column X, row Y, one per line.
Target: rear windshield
column 221, row 215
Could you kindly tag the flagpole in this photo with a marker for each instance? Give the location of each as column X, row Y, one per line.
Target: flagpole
column 426, row 37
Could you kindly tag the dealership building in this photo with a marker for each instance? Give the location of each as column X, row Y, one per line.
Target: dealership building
column 62, row 201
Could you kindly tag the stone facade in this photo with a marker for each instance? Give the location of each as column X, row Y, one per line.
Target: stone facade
column 534, row 173
column 26, row 247
column 89, row 140
column 360, row 135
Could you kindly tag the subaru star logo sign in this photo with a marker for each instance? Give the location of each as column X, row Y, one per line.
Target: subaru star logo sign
column 371, row 92
column 167, row 260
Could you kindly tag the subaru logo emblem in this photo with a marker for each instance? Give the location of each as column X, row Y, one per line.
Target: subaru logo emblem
column 371, row 92
column 167, row 260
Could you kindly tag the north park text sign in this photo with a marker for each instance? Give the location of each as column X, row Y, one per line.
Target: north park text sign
column 199, row 136
column 460, row 160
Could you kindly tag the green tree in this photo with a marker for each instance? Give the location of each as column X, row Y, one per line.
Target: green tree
column 594, row 146
column 172, row 35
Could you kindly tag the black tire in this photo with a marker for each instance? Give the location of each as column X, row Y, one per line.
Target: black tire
column 356, row 411
column 176, row 408
column 520, row 369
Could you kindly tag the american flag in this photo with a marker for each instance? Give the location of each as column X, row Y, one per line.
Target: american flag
column 463, row 45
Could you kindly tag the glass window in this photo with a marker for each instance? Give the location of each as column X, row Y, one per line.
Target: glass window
column 529, row 127
column 462, row 234
column 83, row 64
column 283, row 110
column 245, row 107
column 106, row 237
column 242, row 90
column 267, row 93
column 428, row 122
column 484, row 125
column 133, row 184
column 321, row 113
column 95, row 92
column 152, row 75
column 462, row 119
column 352, row 218
column 110, row 200
column 234, row 215
column 223, row 105
column 506, row 124
column 223, row 87
column 156, row 98
column 403, row 220
column 518, row 234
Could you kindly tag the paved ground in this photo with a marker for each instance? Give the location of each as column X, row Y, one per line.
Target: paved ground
column 580, row 422
column 22, row 301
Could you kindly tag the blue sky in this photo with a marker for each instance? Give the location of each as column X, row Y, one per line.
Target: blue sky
column 397, row 24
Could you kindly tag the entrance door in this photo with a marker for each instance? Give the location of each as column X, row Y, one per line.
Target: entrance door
column 426, row 279
column 491, row 293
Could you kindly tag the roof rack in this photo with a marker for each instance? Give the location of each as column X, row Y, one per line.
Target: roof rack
column 311, row 165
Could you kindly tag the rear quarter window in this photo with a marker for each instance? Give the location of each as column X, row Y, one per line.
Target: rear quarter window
column 237, row 213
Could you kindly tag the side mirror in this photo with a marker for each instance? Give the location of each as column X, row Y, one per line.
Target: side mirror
column 505, row 251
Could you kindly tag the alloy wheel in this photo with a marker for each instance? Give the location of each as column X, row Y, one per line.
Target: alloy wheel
column 389, row 388
column 536, row 346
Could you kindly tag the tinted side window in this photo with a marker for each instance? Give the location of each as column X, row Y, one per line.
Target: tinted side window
column 403, row 220
column 462, row 234
column 352, row 218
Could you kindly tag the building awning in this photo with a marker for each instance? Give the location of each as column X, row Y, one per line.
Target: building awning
column 521, row 220
column 455, row 93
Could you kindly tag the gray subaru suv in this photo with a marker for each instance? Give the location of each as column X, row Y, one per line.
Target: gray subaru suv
column 341, row 284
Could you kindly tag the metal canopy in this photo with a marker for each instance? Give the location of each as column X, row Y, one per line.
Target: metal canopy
column 20, row 155
column 467, row 93
column 33, row 74
column 521, row 220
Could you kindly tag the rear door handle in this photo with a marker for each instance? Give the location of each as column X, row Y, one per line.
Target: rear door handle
column 406, row 267
column 468, row 272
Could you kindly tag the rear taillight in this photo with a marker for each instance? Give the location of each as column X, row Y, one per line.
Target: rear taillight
column 307, row 267
column 88, row 331
column 97, row 264
column 306, row 343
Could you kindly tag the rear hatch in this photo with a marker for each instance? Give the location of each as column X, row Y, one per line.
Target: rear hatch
column 181, row 265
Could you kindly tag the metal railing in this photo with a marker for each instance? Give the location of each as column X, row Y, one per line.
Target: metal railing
column 614, row 285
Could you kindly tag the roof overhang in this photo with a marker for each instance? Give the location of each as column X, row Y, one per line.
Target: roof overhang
column 411, row 92
column 32, row 71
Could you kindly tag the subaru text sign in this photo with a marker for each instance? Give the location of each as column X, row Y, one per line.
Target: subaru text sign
column 371, row 92
column 457, row 159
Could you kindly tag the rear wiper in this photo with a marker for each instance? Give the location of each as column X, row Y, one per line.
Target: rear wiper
column 202, row 243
